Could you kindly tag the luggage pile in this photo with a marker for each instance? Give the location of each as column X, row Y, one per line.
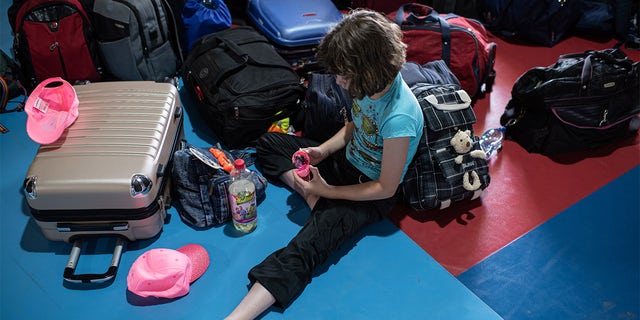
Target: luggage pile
column 244, row 78
column 83, row 41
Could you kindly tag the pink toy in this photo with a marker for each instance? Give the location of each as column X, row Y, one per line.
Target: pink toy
column 300, row 159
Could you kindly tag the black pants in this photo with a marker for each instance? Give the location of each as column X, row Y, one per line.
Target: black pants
column 286, row 272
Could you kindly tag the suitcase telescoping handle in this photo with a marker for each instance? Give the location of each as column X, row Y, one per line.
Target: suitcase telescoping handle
column 69, row 271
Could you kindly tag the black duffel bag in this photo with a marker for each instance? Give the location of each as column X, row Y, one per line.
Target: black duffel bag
column 240, row 84
column 583, row 101
column 541, row 22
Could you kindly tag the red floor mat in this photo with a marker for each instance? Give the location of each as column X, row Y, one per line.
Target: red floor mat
column 526, row 189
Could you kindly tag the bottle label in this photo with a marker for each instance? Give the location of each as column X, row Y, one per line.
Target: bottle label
column 243, row 206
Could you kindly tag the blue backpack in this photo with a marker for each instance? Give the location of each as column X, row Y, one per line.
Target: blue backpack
column 202, row 17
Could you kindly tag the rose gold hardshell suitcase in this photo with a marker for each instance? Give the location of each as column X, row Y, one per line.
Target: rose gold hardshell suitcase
column 108, row 173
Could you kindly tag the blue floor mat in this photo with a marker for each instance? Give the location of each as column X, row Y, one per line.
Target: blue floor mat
column 582, row 264
column 381, row 274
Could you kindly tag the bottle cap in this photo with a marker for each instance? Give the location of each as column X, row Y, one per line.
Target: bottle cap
column 238, row 164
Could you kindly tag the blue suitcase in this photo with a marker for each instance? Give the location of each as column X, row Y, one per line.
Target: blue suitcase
column 295, row 27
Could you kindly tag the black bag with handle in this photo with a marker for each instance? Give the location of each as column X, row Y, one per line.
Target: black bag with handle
column 539, row 22
column 583, row 101
column 241, row 84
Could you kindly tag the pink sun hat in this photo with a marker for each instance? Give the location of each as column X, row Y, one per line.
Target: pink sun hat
column 51, row 108
column 167, row 273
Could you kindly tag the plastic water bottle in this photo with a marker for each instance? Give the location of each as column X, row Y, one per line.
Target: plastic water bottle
column 242, row 198
column 491, row 141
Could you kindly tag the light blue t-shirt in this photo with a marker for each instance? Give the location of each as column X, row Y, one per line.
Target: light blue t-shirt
column 396, row 114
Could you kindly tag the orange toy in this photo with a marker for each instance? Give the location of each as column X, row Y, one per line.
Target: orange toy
column 222, row 158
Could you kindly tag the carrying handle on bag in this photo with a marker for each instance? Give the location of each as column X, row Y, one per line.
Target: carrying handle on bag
column 69, row 272
column 455, row 101
column 587, row 67
column 240, row 57
column 229, row 46
column 204, row 44
column 420, row 15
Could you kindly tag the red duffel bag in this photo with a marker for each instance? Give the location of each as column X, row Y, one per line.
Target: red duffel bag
column 462, row 43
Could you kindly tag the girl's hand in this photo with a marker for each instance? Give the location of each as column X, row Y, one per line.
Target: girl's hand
column 316, row 154
column 316, row 186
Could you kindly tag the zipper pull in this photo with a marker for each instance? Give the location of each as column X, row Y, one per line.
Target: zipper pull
column 53, row 46
column 604, row 118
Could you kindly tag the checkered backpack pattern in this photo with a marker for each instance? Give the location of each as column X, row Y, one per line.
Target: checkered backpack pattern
column 438, row 175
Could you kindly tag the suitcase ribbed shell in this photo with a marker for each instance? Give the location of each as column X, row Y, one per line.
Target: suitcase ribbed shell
column 120, row 144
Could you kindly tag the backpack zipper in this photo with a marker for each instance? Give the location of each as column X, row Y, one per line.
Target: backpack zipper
column 158, row 19
column 56, row 47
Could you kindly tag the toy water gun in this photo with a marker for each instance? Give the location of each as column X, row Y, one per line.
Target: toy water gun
column 301, row 161
column 226, row 164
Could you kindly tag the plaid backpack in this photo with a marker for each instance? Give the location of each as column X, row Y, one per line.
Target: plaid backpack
column 441, row 172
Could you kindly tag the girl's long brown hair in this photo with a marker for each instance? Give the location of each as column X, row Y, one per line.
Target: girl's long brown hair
column 367, row 48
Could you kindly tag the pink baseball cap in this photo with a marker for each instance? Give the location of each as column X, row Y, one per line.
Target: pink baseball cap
column 167, row 273
column 51, row 107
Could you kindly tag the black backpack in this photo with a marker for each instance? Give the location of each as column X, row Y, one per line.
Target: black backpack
column 241, row 84
column 538, row 22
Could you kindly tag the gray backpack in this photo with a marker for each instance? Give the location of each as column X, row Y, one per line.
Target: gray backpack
column 137, row 39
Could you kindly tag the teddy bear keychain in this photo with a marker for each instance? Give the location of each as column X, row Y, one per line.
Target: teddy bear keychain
column 462, row 144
